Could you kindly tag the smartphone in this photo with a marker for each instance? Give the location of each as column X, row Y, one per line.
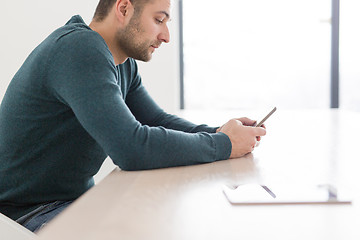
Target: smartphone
column 265, row 118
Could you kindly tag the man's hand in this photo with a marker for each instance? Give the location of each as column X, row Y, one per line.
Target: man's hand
column 243, row 136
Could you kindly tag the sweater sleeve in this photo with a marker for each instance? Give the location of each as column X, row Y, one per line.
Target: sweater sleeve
column 146, row 111
column 84, row 78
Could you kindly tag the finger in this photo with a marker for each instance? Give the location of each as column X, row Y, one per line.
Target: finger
column 247, row 121
column 252, row 148
column 259, row 131
column 239, row 122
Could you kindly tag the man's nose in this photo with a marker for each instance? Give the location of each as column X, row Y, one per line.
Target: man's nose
column 164, row 36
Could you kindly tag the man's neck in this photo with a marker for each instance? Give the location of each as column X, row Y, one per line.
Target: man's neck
column 108, row 33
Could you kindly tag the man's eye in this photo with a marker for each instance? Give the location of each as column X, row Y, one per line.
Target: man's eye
column 159, row 21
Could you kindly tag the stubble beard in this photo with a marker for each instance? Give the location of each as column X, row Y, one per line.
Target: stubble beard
column 130, row 41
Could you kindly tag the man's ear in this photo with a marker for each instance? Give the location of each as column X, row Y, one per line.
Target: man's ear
column 124, row 9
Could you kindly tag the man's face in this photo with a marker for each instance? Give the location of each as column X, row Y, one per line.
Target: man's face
column 145, row 31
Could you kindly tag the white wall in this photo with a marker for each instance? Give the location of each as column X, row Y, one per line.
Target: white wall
column 24, row 24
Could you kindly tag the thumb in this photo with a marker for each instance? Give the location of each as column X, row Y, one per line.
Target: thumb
column 260, row 131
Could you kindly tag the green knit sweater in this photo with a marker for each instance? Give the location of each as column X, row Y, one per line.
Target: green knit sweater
column 69, row 107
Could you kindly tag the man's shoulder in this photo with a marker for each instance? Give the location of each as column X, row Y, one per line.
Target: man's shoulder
column 78, row 40
column 77, row 33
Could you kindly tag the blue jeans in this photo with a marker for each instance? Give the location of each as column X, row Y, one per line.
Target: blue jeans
column 38, row 218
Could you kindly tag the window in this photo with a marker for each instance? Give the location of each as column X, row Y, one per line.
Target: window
column 350, row 55
column 250, row 54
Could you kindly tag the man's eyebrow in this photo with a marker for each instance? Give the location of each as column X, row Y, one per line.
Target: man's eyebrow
column 165, row 13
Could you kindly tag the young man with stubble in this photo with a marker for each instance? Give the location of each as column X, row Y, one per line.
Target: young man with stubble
column 78, row 98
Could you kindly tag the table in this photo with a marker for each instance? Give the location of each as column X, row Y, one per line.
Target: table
column 312, row 146
column 14, row 231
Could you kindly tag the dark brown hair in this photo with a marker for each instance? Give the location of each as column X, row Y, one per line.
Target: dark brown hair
column 104, row 7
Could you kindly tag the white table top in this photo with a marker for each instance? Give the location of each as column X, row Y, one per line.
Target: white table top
column 10, row 230
column 188, row 203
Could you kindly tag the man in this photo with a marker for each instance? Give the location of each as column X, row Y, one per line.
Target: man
column 78, row 98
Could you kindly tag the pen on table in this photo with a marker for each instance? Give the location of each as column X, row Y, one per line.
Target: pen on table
column 269, row 191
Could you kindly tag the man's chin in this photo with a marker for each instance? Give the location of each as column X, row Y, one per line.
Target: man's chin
column 144, row 59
